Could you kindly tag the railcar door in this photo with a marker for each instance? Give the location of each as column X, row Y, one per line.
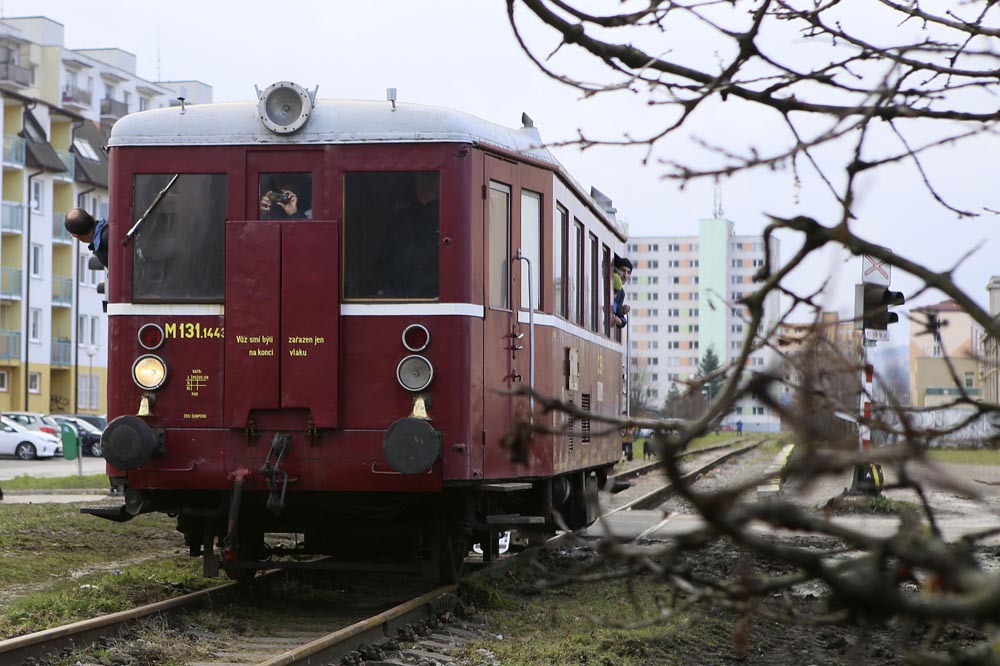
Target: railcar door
column 282, row 295
column 505, row 359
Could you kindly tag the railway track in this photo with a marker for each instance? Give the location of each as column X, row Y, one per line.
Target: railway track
column 308, row 639
column 321, row 640
column 703, row 461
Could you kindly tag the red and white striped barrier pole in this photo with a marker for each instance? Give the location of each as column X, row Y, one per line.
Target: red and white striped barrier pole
column 867, row 477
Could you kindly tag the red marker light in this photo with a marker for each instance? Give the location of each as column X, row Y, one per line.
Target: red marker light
column 151, row 336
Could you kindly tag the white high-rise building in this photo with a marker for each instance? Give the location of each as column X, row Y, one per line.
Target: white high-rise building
column 684, row 295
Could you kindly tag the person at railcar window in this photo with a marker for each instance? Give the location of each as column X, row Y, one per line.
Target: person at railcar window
column 412, row 266
column 391, row 231
column 286, row 196
column 82, row 226
column 622, row 273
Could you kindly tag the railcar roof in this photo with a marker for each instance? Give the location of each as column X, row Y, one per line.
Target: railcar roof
column 335, row 121
column 332, row 121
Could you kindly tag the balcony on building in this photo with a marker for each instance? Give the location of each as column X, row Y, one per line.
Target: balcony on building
column 62, row 291
column 112, row 108
column 77, row 97
column 10, row 283
column 12, row 216
column 13, row 150
column 10, row 345
column 13, row 73
column 59, row 233
column 62, row 352
column 68, row 159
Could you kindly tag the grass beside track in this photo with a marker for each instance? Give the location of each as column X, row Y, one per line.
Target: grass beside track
column 61, row 566
column 966, row 456
column 598, row 622
column 25, row 482
column 702, row 442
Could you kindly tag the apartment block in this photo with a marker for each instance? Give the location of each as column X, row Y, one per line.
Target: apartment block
column 684, row 295
column 58, row 106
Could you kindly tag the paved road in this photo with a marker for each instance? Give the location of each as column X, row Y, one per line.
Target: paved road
column 49, row 467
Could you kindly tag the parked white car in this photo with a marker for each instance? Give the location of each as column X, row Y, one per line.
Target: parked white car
column 16, row 440
column 35, row 421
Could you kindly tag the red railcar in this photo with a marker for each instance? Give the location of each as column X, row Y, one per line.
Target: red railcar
column 319, row 318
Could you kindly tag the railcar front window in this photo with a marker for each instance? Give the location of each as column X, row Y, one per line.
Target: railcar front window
column 392, row 223
column 178, row 254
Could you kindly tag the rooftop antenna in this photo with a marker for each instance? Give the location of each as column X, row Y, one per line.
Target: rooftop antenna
column 717, row 204
column 183, row 108
column 390, row 95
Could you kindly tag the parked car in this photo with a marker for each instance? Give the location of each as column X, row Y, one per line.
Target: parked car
column 36, row 421
column 88, row 434
column 98, row 422
column 16, row 440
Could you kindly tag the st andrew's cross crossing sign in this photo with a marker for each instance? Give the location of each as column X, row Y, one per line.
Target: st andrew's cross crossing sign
column 874, row 270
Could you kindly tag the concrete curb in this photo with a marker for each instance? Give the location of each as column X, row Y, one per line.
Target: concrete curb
column 773, row 488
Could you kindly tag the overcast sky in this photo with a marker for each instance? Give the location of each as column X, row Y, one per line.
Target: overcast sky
column 462, row 54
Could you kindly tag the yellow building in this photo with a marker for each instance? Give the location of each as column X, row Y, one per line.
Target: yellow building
column 939, row 332
column 989, row 350
column 57, row 106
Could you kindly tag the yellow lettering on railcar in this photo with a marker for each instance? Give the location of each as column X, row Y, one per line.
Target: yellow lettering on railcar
column 195, row 382
column 192, row 330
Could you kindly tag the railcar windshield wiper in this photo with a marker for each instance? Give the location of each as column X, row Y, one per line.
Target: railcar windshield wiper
column 156, row 202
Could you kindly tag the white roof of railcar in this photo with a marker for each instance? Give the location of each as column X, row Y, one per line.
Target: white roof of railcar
column 334, row 121
column 331, row 121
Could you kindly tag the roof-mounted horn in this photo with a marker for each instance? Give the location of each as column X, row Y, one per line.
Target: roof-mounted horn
column 284, row 107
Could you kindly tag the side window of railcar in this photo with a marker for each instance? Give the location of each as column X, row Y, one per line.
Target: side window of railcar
column 560, row 250
column 498, row 237
column 531, row 247
column 285, row 196
column 606, row 290
column 579, row 306
column 178, row 254
column 392, row 223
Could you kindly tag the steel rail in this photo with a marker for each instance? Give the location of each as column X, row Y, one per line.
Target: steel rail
column 642, row 470
column 655, row 497
column 337, row 644
column 51, row 641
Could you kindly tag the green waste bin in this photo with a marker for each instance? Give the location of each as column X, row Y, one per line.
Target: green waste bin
column 70, row 442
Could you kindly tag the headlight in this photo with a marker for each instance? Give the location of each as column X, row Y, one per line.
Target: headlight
column 414, row 373
column 149, row 372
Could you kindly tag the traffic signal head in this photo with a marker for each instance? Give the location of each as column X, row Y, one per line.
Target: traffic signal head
column 871, row 306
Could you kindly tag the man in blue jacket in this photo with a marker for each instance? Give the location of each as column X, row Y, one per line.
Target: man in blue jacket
column 82, row 226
